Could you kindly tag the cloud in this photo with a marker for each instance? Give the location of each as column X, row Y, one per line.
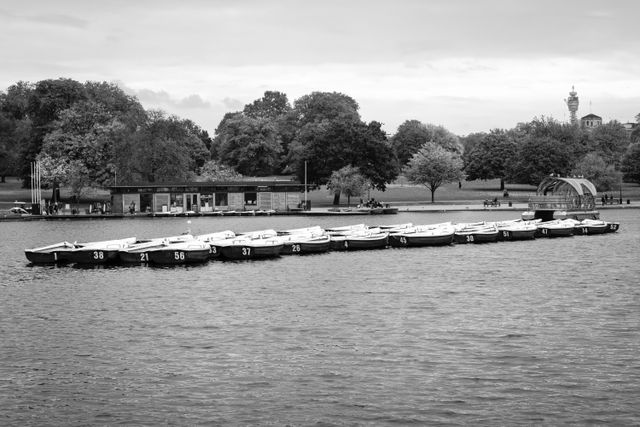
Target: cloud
column 163, row 98
column 233, row 104
column 59, row 20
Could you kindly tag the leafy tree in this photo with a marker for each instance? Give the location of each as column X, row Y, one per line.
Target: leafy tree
column 86, row 134
column 412, row 135
column 635, row 134
column 593, row 167
column 488, row 159
column 163, row 149
column 15, row 103
column 470, row 141
column 348, row 181
column 538, row 157
column 251, row 146
column 575, row 139
column 155, row 158
column 47, row 100
column 328, row 146
column 610, row 141
column 330, row 135
column 433, row 166
column 216, row 171
column 71, row 173
column 631, row 163
column 270, row 107
column 321, row 106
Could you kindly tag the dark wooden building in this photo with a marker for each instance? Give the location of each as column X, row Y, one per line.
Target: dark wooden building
column 202, row 197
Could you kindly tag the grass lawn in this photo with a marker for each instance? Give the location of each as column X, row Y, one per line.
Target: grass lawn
column 400, row 192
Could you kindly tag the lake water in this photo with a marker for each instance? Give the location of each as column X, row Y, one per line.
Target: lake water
column 511, row 333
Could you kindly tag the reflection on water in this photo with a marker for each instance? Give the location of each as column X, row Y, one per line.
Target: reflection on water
column 539, row 332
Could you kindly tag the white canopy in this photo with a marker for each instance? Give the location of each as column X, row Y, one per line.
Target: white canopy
column 556, row 184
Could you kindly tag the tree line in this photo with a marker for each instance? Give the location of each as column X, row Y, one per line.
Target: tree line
column 93, row 134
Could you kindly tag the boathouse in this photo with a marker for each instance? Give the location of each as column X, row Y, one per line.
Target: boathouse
column 558, row 197
column 203, row 197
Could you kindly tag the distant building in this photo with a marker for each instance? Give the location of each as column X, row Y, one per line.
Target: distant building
column 591, row 121
column 572, row 104
column 629, row 128
column 203, row 197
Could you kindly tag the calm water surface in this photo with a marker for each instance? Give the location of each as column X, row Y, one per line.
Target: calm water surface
column 545, row 332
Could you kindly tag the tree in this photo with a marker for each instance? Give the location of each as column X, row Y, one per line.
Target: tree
column 47, row 100
column 610, row 141
column 433, row 166
column 321, row 106
column 270, row 107
column 470, row 141
column 216, row 171
column 86, row 134
column 348, row 181
column 536, row 158
column 71, row 173
column 488, row 159
column 251, row 146
column 635, row 134
column 631, row 163
column 412, row 135
column 595, row 169
column 328, row 146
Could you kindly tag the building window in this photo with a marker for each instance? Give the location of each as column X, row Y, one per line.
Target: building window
column 177, row 202
column 250, row 198
column 146, row 202
column 221, row 199
column 206, row 202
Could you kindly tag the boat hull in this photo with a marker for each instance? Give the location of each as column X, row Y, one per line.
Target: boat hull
column 359, row 243
column 612, row 227
column 584, row 230
column 49, row 257
column 239, row 251
column 134, row 257
column 554, row 232
column 407, row 240
column 511, row 235
column 174, row 256
column 52, row 254
column 475, row 237
column 93, row 256
column 301, row 248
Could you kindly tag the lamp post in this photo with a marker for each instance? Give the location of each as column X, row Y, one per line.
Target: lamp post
column 620, row 192
column 305, row 185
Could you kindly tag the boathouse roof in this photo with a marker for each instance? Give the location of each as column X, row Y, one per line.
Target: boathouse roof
column 556, row 184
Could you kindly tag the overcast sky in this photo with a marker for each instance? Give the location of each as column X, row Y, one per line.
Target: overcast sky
column 468, row 65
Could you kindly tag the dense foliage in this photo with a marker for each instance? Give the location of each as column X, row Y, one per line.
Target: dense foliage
column 93, row 134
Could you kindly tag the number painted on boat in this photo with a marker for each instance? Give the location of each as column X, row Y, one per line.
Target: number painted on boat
column 614, row 227
column 144, row 257
column 403, row 240
column 346, row 244
column 98, row 255
column 469, row 238
column 585, row 230
column 214, row 250
column 179, row 256
column 545, row 231
column 505, row 234
column 295, row 248
column 246, row 251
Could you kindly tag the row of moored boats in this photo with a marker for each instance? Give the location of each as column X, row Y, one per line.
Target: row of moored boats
column 188, row 248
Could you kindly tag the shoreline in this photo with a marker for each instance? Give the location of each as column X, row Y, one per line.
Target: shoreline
column 323, row 211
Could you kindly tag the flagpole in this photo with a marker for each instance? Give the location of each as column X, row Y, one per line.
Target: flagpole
column 305, row 185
